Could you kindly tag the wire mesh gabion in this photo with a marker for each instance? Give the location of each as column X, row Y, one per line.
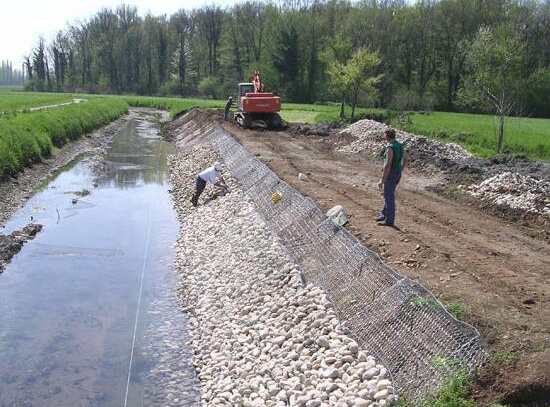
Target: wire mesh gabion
column 394, row 318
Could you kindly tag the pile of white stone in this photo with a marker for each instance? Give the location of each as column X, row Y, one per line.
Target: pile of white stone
column 516, row 191
column 369, row 138
column 261, row 336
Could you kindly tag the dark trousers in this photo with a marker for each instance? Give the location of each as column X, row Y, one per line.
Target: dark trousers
column 199, row 189
column 388, row 212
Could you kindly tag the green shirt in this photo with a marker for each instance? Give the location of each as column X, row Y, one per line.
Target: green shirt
column 398, row 152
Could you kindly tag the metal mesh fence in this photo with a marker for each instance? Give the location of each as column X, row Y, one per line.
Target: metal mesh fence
column 394, row 318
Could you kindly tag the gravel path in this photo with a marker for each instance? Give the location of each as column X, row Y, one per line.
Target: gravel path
column 261, row 337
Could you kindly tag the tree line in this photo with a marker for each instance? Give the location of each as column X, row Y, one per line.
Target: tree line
column 10, row 76
column 424, row 52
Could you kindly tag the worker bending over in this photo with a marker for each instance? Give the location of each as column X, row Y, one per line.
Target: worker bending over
column 395, row 160
column 211, row 174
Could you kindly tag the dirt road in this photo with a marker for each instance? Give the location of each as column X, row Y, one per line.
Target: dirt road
column 498, row 271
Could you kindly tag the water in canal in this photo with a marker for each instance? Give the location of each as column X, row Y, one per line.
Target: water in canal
column 88, row 310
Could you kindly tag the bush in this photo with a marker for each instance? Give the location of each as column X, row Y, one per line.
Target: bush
column 171, row 87
column 210, row 87
column 382, row 117
column 408, row 99
column 28, row 137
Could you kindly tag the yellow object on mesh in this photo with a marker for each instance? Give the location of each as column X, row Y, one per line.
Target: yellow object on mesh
column 276, row 197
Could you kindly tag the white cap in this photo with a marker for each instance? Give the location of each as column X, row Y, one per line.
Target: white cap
column 217, row 166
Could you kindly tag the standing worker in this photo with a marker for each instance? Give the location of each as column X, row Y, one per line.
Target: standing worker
column 395, row 160
column 211, row 174
column 227, row 107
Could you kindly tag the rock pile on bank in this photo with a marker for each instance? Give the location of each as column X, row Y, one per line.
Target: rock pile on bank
column 12, row 244
column 369, row 138
column 261, row 336
column 517, row 191
column 190, row 127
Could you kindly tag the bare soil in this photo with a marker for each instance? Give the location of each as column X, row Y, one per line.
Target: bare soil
column 497, row 268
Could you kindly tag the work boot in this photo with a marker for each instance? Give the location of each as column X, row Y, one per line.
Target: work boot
column 385, row 223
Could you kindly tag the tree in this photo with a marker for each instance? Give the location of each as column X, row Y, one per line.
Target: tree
column 494, row 62
column 420, row 44
column 180, row 22
column 336, row 55
column 39, row 65
column 210, row 86
column 359, row 75
column 286, row 60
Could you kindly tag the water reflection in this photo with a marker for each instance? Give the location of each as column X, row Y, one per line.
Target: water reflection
column 68, row 299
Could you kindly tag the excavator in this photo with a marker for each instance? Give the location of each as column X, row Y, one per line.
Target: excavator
column 257, row 107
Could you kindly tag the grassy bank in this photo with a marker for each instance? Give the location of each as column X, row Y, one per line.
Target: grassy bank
column 477, row 133
column 10, row 101
column 26, row 138
column 473, row 131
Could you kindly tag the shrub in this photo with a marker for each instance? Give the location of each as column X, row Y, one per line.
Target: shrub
column 210, row 86
column 26, row 138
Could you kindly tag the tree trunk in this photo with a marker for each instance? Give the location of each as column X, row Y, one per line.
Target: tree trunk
column 342, row 108
column 500, row 132
column 181, row 65
column 353, row 103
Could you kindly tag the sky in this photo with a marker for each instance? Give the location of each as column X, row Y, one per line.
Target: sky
column 23, row 21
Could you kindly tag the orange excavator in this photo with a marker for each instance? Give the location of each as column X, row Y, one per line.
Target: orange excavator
column 257, row 107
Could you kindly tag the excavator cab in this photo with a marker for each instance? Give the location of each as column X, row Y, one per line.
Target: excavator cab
column 244, row 88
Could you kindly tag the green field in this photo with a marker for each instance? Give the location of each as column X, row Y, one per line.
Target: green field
column 300, row 116
column 10, row 101
column 26, row 137
column 477, row 133
column 11, row 88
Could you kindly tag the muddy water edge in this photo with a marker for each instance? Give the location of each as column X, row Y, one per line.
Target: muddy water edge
column 89, row 314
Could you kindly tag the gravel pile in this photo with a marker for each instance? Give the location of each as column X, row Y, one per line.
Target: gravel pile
column 261, row 337
column 369, row 136
column 516, row 184
column 516, row 191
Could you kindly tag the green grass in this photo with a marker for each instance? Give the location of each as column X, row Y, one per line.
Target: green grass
column 26, row 138
column 501, row 357
column 474, row 132
column 174, row 105
column 456, row 309
column 304, row 113
column 11, row 88
column 477, row 133
column 300, row 116
column 10, row 101
column 454, row 393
